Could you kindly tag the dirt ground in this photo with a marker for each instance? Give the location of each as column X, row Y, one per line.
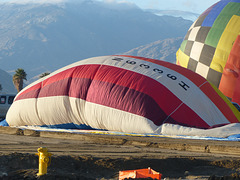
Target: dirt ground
column 101, row 157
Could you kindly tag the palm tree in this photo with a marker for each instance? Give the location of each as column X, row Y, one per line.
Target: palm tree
column 18, row 78
column 44, row 74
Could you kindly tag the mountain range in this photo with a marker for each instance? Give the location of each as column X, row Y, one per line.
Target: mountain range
column 6, row 83
column 43, row 37
column 162, row 49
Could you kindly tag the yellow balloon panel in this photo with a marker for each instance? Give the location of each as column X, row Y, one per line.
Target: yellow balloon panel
column 184, row 58
column 225, row 44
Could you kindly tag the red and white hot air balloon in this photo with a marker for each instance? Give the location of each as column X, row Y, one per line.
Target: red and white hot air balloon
column 126, row 94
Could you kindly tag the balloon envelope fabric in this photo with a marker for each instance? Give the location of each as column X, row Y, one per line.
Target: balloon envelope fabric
column 211, row 47
column 126, row 94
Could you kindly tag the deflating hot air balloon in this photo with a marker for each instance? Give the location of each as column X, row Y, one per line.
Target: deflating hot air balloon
column 211, row 47
column 126, row 94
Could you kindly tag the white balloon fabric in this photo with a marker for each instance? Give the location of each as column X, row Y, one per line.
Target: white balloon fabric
column 126, row 94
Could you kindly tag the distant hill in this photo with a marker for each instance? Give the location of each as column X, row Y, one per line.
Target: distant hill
column 176, row 13
column 40, row 37
column 6, row 82
column 163, row 49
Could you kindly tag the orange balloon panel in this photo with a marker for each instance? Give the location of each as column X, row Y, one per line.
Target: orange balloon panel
column 230, row 76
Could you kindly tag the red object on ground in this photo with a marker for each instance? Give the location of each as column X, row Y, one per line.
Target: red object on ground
column 139, row 173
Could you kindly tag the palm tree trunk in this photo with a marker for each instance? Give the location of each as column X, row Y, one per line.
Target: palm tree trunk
column 18, row 83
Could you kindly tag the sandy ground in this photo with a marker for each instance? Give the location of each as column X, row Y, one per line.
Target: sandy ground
column 102, row 157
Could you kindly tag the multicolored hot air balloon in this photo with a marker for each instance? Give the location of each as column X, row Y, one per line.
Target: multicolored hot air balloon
column 211, row 47
column 126, row 94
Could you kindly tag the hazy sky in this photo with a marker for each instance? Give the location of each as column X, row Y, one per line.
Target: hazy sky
column 197, row 6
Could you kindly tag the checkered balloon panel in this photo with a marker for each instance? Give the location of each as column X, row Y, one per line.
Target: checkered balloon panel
column 207, row 46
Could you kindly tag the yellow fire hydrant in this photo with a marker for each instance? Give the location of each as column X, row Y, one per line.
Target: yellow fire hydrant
column 44, row 160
